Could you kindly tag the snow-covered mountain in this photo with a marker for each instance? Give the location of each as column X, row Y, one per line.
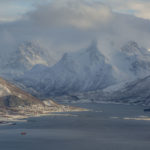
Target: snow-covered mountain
column 89, row 70
column 24, row 58
column 138, row 59
column 130, row 62
column 135, row 92
column 17, row 104
column 83, row 70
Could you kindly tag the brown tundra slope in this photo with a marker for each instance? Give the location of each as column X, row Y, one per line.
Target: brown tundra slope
column 16, row 102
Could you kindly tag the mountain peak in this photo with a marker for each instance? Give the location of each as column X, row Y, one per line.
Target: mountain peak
column 132, row 44
column 131, row 48
column 93, row 50
column 25, row 57
column 93, row 47
column 31, row 47
column 89, row 55
column 78, row 71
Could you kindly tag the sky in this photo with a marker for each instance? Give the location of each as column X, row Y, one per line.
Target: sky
column 11, row 10
column 68, row 25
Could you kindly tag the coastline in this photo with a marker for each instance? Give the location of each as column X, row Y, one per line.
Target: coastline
column 9, row 119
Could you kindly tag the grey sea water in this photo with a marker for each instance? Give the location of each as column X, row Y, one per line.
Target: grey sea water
column 104, row 128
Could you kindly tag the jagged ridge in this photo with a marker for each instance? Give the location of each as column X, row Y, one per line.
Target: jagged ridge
column 78, row 71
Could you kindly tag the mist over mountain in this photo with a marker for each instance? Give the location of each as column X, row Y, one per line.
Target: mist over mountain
column 134, row 92
column 68, row 26
column 72, row 73
column 131, row 61
column 88, row 70
column 84, row 67
column 84, row 70
column 27, row 55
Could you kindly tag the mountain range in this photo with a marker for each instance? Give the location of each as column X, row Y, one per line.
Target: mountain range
column 135, row 92
column 16, row 103
column 79, row 71
column 27, row 55
column 88, row 70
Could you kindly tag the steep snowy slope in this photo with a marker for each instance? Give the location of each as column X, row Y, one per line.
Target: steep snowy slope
column 130, row 61
column 25, row 57
column 137, row 92
column 89, row 70
column 84, row 70
column 138, row 59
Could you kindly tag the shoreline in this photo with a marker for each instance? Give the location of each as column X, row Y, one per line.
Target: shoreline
column 11, row 119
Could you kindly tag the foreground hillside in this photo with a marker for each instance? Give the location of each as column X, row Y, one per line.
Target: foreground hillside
column 15, row 103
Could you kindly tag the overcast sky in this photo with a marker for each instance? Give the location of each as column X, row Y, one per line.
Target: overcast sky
column 72, row 24
column 14, row 9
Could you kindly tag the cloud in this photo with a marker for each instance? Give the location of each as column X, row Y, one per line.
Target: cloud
column 138, row 8
column 82, row 11
column 141, row 9
column 78, row 14
column 64, row 26
column 12, row 10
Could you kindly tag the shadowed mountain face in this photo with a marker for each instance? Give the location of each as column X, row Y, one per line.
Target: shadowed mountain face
column 137, row 57
column 134, row 92
column 76, row 72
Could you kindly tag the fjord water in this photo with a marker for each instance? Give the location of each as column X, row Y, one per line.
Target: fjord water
column 104, row 128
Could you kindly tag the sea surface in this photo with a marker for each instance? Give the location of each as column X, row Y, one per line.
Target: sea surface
column 105, row 127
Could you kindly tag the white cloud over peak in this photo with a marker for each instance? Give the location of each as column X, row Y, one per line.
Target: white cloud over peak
column 67, row 25
column 79, row 14
column 11, row 10
column 138, row 8
column 141, row 9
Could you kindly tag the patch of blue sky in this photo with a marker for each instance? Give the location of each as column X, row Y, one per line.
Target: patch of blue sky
column 125, row 11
